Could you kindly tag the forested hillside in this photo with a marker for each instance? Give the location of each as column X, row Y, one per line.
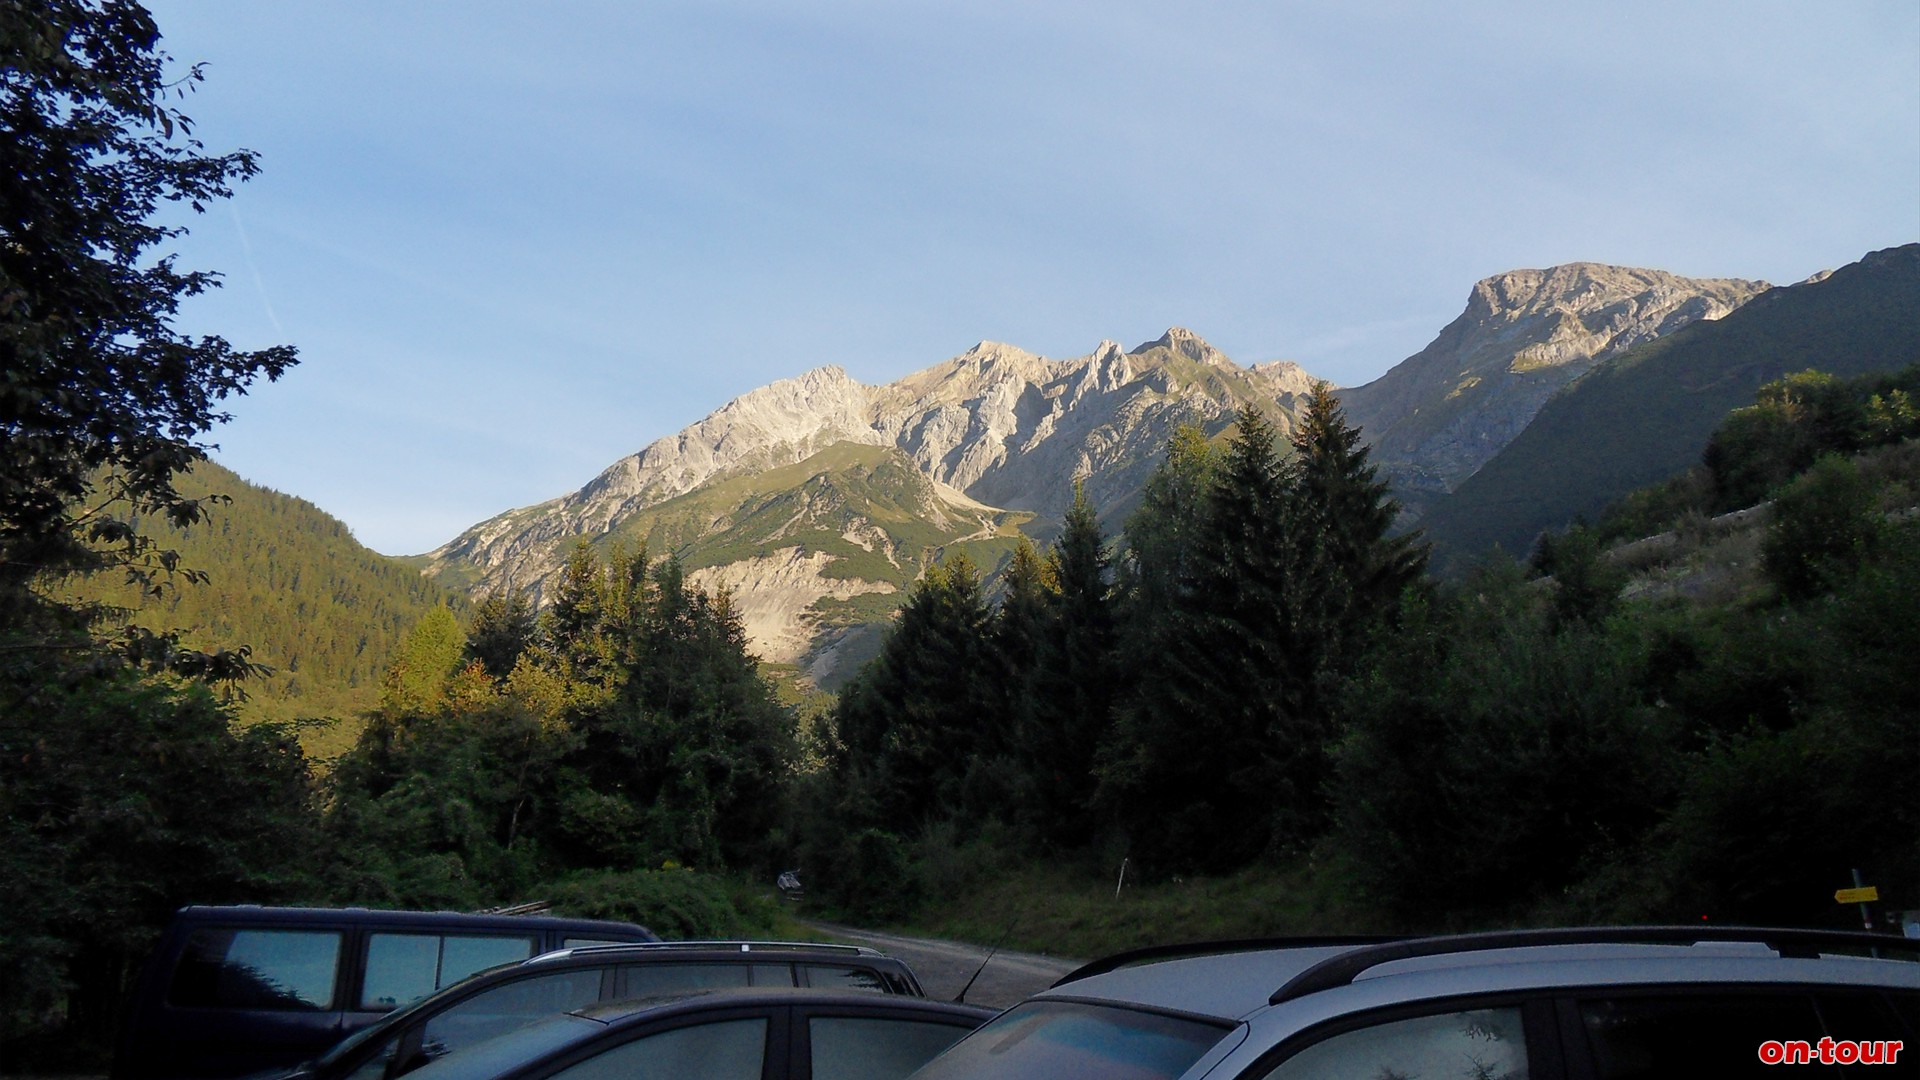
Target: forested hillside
column 289, row 580
column 1717, row 726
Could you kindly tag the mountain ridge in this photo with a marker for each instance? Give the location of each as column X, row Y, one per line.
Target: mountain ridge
column 994, row 422
column 1012, row 432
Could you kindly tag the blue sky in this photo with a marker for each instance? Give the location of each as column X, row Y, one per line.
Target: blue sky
column 514, row 242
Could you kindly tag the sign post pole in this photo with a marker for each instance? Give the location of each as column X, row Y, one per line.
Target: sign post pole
column 1864, row 894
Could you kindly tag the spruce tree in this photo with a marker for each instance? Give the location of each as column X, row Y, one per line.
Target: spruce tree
column 1018, row 636
column 1072, row 696
column 503, row 629
column 1341, row 495
column 1347, row 578
column 573, row 628
column 1156, row 563
column 909, row 724
column 1188, row 770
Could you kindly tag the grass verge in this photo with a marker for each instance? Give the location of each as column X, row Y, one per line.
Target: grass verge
column 1071, row 911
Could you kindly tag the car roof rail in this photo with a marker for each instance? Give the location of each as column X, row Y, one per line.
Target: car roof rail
column 730, row 946
column 1187, row 950
column 1341, row 970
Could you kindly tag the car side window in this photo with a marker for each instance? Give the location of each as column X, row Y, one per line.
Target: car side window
column 503, row 1009
column 1477, row 1044
column 258, row 969
column 1718, row 1033
column 773, row 975
column 841, row 977
column 649, row 980
column 403, row 968
column 726, row 1050
column 875, row 1048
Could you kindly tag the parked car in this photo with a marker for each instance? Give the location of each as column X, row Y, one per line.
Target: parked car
column 743, row 1034
column 1587, row 1004
column 497, row 1001
column 234, row 990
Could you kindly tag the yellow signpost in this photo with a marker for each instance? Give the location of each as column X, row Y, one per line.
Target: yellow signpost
column 1866, row 894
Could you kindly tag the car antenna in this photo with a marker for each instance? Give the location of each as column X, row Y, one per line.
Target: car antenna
column 961, row 998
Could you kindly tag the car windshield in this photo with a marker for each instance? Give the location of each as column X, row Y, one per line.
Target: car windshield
column 1050, row 1040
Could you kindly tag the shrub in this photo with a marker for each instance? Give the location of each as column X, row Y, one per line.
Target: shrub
column 1824, row 524
column 674, row 903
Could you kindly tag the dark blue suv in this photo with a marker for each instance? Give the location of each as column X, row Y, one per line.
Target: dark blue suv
column 235, row 990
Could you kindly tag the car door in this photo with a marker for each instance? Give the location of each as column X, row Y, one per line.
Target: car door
column 243, row 998
column 851, row 1043
column 1633, row 1033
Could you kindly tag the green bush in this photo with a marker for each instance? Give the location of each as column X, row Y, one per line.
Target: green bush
column 871, row 877
column 1824, row 525
column 675, row 903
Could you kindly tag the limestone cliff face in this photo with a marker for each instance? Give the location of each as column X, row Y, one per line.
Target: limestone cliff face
column 1434, row 419
column 993, row 430
column 778, row 424
column 775, row 595
column 1015, row 430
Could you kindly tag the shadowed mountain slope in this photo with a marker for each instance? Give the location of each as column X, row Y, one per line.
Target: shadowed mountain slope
column 1647, row 414
column 1438, row 416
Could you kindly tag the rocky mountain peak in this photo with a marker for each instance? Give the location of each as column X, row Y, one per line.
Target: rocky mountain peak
column 824, row 375
column 1183, row 342
column 1583, row 290
column 987, row 352
column 1285, row 376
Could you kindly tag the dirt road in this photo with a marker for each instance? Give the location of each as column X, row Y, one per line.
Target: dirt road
column 945, row 966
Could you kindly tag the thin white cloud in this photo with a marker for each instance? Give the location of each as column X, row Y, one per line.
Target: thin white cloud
column 253, row 268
